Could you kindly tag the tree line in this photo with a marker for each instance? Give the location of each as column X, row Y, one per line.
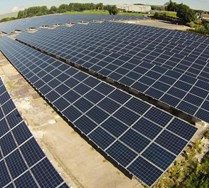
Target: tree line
column 43, row 10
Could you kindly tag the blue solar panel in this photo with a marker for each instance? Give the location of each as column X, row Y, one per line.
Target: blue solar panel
column 16, row 164
column 31, row 152
column 139, row 167
column 157, row 116
column 115, row 121
column 101, row 138
column 97, row 114
column 147, row 128
column 26, row 180
column 171, row 100
column 132, row 139
column 171, row 142
column 126, row 116
column 159, row 156
column 7, row 144
column 177, row 65
column 21, row 133
column 114, row 126
column 72, row 113
column 182, row 129
column 4, row 127
column 4, row 175
column 122, row 154
column 137, row 106
column 19, row 151
column 50, row 178
column 36, row 22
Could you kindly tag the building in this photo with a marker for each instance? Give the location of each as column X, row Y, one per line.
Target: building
column 134, row 8
column 205, row 16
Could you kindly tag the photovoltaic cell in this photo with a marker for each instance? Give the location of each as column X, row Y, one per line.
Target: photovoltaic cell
column 101, row 138
column 147, row 128
column 171, row 142
column 32, row 152
column 158, row 156
column 157, row 116
column 127, row 116
column 16, row 164
column 4, row 175
column 145, row 171
column 121, row 153
column 85, row 124
column 132, row 139
column 26, row 180
column 7, row 144
column 182, row 129
column 50, row 179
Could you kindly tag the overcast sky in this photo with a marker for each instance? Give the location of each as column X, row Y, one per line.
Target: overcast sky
column 15, row 5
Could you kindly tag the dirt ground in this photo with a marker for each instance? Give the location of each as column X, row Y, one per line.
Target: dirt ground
column 79, row 164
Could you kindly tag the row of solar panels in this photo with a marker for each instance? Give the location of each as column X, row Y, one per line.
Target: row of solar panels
column 36, row 22
column 170, row 49
column 111, row 57
column 22, row 162
column 139, row 137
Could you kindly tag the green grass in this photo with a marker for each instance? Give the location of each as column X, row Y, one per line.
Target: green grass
column 131, row 14
column 104, row 12
column 170, row 14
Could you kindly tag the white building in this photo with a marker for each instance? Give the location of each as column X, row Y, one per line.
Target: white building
column 134, row 8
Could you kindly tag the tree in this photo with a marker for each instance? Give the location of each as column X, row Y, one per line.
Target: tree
column 99, row 6
column 7, row 19
column 185, row 13
column 63, row 8
column 172, row 6
column 53, row 10
column 115, row 10
column 112, row 9
column 21, row 14
column 33, row 11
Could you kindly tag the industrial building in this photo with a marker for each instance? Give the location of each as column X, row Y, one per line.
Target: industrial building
column 134, row 8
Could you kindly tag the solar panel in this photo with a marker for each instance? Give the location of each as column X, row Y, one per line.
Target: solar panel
column 50, row 20
column 179, row 88
column 121, row 125
column 176, row 50
column 22, row 162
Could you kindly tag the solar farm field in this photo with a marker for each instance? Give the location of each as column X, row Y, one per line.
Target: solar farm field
column 133, row 92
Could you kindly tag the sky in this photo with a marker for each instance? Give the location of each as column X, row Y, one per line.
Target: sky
column 16, row 5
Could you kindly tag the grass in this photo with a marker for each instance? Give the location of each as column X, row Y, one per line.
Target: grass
column 131, row 14
column 169, row 14
column 104, row 12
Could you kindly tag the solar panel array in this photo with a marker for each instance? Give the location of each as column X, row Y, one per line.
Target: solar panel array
column 179, row 51
column 22, row 162
column 36, row 22
column 125, row 53
column 139, row 137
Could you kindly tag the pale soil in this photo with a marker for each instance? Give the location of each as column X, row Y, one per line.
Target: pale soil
column 79, row 164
